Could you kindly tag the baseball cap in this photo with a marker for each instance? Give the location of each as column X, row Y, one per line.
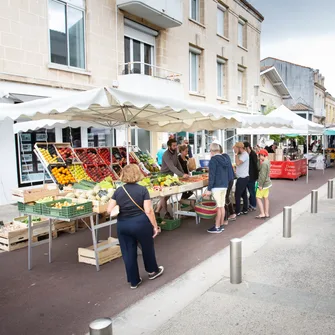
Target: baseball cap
column 263, row 152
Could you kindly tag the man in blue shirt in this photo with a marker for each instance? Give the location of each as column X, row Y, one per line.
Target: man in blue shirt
column 160, row 154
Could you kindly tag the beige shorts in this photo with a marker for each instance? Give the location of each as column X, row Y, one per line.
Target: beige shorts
column 219, row 195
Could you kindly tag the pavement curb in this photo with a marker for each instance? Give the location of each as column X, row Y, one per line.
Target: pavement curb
column 150, row 313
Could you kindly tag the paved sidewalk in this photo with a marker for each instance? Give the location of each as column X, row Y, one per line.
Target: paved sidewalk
column 288, row 285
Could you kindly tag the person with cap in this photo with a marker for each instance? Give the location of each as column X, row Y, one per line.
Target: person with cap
column 253, row 175
column 271, row 149
column 242, row 174
column 264, row 185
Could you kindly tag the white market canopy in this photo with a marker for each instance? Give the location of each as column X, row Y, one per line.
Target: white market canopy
column 22, row 127
column 111, row 107
column 301, row 126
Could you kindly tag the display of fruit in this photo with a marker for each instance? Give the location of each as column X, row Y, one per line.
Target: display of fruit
column 105, row 154
column 60, row 205
column 94, row 172
column 107, row 172
column 78, row 172
column 45, row 199
column 82, row 155
column 62, row 175
column 94, row 157
column 67, row 154
column 50, row 155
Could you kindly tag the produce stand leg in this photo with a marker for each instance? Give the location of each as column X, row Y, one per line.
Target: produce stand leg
column 29, row 242
column 96, row 230
column 50, row 240
column 94, row 237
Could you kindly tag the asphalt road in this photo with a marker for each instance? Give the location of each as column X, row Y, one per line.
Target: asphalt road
column 63, row 297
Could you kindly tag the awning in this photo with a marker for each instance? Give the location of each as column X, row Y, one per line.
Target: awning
column 112, row 107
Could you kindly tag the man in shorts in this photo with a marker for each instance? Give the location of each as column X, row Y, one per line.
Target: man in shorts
column 217, row 185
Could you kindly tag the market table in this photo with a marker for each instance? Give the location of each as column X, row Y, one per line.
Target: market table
column 288, row 169
column 93, row 228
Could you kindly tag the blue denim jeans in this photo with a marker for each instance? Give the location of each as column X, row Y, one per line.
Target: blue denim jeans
column 252, row 192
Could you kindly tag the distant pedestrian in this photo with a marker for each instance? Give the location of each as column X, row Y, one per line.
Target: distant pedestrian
column 253, row 175
column 160, row 154
column 264, row 185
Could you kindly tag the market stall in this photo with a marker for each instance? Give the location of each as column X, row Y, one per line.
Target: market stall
column 110, row 108
column 288, row 164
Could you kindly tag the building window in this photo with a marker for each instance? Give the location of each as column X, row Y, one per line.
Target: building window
column 195, row 10
column 222, row 21
column 263, row 109
column 221, row 77
column 242, row 33
column 139, row 48
column 67, row 32
column 241, row 84
column 194, row 69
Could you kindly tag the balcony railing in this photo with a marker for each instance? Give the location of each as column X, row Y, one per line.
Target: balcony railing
column 149, row 70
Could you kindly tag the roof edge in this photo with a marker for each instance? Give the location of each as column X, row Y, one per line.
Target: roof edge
column 253, row 9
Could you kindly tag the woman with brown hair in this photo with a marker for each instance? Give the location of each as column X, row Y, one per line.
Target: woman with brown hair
column 136, row 223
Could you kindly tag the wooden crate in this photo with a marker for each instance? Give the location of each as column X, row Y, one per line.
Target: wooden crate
column 166, row 191
column 14, row 239
column 43, row 236
column 26, row 195
column 63, row 226
column 37, row 231
column 86, row 255
column 98, row 207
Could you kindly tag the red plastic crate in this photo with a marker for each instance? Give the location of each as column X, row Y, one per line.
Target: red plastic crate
column 106, row 171
column 94, row 172
column 82, row 155
column 94, row 157
column 105, row 154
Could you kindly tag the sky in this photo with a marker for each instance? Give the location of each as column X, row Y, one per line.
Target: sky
column 302, row 32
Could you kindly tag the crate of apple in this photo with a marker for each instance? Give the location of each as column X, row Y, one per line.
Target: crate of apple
column 94, row 157
column 107, row 172
column 82, row 155
column 94, row 172
column 116, row 154
column 105, row 154
column 68, row 154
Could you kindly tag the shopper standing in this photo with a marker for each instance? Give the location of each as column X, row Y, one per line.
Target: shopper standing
column 242, row 174
column 183, row 160
column 264, row 185
column 136, row 223
column 189, row 149
column 160, row 154
column 253, row 175
column 217, row 185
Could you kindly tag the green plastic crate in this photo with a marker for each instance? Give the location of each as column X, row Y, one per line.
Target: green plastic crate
column 67, row 212
column 30, row 209
column 169, row 224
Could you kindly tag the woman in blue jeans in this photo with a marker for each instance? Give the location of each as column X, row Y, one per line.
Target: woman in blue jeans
column 136, row 223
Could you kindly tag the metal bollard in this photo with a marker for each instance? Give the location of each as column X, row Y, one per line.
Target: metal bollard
column 287, row 222
column 236, row 261
column 330, row 189
column 101, row 326
column 314, row 201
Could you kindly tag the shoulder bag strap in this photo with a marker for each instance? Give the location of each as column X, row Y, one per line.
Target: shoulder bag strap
column 133, row 200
